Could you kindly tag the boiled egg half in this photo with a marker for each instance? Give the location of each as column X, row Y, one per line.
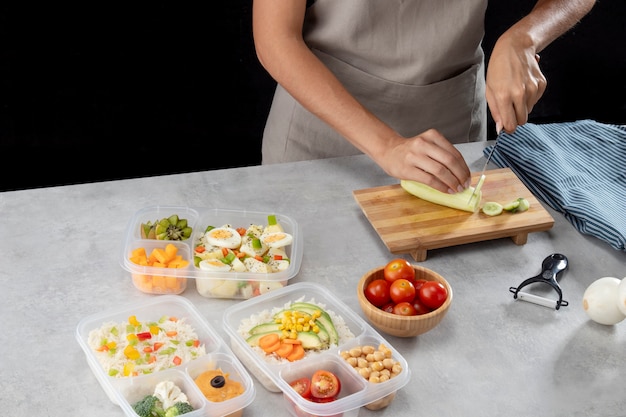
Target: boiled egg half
column 276, row 239
column 224, row 237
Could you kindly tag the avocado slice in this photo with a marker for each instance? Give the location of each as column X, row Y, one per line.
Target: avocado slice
column 310, row 340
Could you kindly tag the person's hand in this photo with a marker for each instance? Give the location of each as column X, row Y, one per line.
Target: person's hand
column 514, row 83
column 428, row 158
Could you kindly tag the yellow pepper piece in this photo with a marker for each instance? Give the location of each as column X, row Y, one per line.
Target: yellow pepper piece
column 131, row 353
column 133, row 320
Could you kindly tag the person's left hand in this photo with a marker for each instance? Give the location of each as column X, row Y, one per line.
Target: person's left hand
column 515, row 82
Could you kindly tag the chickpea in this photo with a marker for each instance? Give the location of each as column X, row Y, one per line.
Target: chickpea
column 355, row 352
column 368, row 349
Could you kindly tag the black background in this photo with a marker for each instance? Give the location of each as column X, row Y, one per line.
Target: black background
column 106, row 90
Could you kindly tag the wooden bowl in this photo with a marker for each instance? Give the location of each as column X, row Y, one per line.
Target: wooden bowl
column 397, row 325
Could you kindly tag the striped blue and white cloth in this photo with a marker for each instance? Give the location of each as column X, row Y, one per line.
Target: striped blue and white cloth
column 577, row 168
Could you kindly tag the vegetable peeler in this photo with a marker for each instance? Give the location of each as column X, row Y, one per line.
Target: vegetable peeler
column 551, row 269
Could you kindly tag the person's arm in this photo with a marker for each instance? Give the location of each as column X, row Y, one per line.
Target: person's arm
column 515, row 82
column 428, row 158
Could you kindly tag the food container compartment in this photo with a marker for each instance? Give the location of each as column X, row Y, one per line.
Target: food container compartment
column 236, row 373
column 274, row 375
column 347, row 403
column 160, row 280
column 210, row 284
column 133, row 393
column 124, row 391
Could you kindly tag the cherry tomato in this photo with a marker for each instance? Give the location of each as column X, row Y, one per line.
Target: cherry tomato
column 404, row 309
column 418, row 284
column 388, row 307
column 377, row 292
column 397, row 269
column 419, row 306
column 302, row 386
column 402, row 290
column 324, row 384
column 433, row 294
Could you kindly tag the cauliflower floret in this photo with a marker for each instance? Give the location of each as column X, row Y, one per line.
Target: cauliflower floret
column 168, row 393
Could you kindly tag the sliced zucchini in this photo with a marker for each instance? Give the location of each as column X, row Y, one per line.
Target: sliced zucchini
column 491, row 208
column 523, row 204
column 512, row 206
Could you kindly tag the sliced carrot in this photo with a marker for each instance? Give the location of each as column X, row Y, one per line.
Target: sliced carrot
column 285, row 350
column 292, row 341
column 272, row 348
column 268, row 340
column 296, row 354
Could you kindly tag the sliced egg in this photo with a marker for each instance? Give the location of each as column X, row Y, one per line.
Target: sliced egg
column 224, row 237
column 276, row 239
column 214, row 265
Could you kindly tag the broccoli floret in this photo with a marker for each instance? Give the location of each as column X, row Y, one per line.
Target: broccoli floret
column 178, row 408
column 146, row 406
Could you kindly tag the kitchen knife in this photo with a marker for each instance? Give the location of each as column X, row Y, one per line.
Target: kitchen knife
column 481, row 179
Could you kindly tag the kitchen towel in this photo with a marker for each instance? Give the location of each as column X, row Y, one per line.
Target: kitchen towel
column 577, row 168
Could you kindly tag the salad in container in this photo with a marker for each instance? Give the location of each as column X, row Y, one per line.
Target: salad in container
column 161, row 356
column 229, row 253
column 303, row 341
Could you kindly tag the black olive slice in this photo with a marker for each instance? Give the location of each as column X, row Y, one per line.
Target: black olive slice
column 218, row 381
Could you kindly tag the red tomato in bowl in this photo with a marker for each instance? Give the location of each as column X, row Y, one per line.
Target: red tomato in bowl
column 302, row 386
column 433, row 294
column 388, row 307
column 325, row 384
column 377, row 292
column 419, row 306
column 402, row 290
column 404, row 309
column 418, row 284
column 397, row 269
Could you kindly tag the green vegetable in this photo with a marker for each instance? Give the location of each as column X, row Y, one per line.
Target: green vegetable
column 491, row 208
column 178, row 408
column 460, row 200
column 512, row 206
column 146, row 406
column 150, row 406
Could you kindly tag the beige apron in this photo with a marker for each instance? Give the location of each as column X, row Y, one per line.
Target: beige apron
column 416, row 64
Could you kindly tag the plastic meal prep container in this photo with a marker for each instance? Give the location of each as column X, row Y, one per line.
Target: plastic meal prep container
column 211, row 284
column 126, row 391
column 276, row 376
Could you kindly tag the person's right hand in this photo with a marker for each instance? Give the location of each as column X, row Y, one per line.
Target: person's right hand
column 428, row 158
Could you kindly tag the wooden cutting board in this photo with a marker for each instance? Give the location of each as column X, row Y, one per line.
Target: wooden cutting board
column 408, row 224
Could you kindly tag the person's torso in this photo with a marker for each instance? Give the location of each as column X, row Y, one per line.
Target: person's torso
column 416, row 42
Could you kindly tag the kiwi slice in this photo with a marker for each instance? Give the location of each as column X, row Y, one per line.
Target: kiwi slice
column 170, row 228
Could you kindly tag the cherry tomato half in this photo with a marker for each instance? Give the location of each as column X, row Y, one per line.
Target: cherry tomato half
column 433, row 294
column 302, row 386
column 404, row 309
column 402, row 290
column 377, row 292
column 324, row 384
column 397, row 269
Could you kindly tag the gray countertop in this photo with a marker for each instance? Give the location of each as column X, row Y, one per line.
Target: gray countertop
column 491, row 356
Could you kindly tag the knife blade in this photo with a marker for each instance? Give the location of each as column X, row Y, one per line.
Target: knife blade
column 482, row 174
